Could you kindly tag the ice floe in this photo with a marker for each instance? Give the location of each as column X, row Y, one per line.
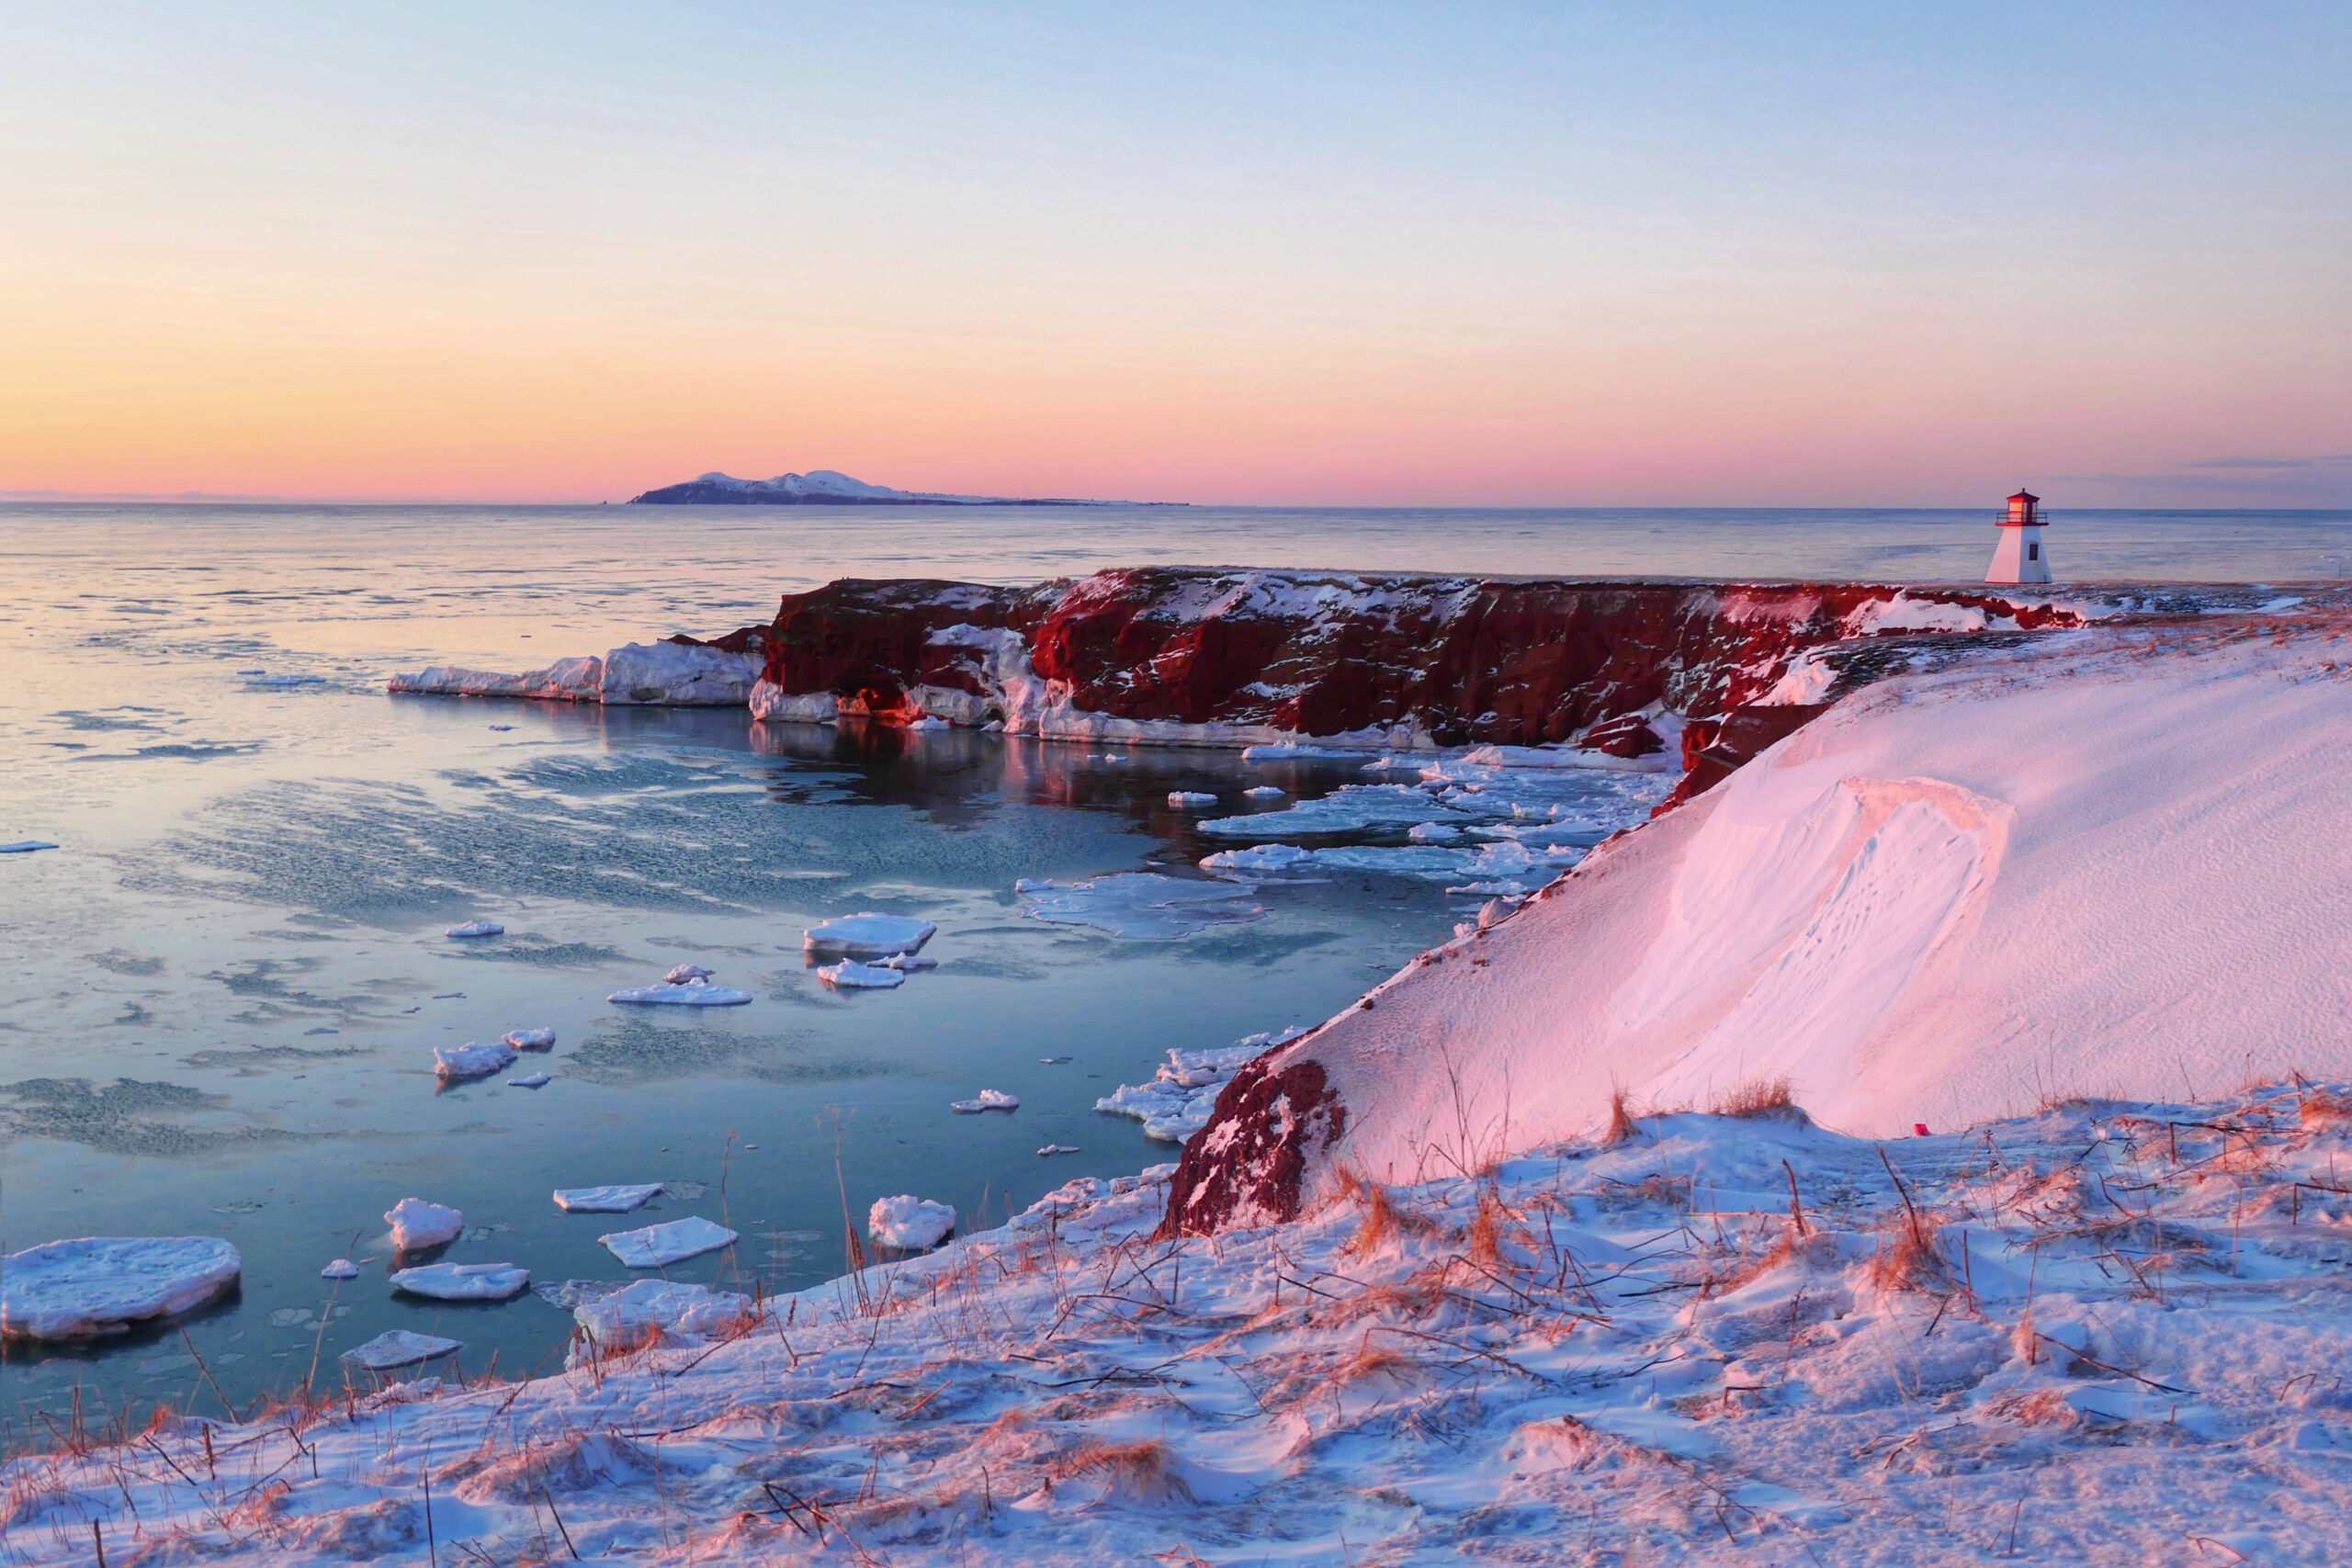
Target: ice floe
column 530, row 1081
column 26, row 846
column 619, row 1200
column 1266, row 791
column 1052, row 1149
column 398, row 1347
column 908, row 1223
column 868, row 935
column 693, row 994
column 1176, row 1103
column 472, row 1060
column 341, row 1269
column 682, row 1313
column 1352, row 808
column 849, row 975
column 417, row 1224
column 909, row 962
column 987, row 1099
column 1143, row 906
column 282, row 682
column 657, row 1247
column 1507, row 866
column 685, row 975
column 475, row 927
column 464, row 1282
column 73, row 1290
column 530, row 1039
column 1189, row 800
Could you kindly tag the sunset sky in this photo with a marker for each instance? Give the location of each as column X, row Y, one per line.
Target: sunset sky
column 1639, row 253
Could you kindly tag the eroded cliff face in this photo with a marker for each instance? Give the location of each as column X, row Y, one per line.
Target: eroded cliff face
column 1242, row 656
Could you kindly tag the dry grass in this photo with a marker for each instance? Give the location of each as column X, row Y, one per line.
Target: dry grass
column 1909, row 1256
column 1145, row 1471
column 1760, row 1098
column 1621, row 1128
column 2321, row 1109
column 1381, row 1218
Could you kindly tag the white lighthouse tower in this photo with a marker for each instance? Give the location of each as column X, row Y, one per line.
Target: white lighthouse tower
column 2021, row 556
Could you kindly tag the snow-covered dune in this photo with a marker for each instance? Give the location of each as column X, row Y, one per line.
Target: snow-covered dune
column 2111, row 863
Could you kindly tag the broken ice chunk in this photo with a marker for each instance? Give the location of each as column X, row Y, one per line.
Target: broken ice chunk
column 477, row 928
column 71, row 1290
column 1059, row 1150
column 1266, row 791
column 603, row 1200
column 399, row 1348
column 657, row 1247
column 1189, row 800
column 685, row 975
column 530, row 1039
column 868, row 935
column 910, row 1223
column 417, row 1224
column 1259, row 857
column 908, row 962
column 679, row 1311
column 470, row 1060
column 849, row 975
column 464, row 1282
column 988, row 1100
column 341, row 1269
column 530, row 1081
column 694, row 994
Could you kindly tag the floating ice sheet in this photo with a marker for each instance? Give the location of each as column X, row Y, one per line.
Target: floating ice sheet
column 1189, row 800
column 604, row 1200
column 685, row 975
column 72, row 1290
column 697, row 994
column 1142, row 906
column 530, row 1039
column 910, row 1223
column 475, row 927
column 1508, row 867
column 1176, row 1104
column 341, row 1269
column 987, row 1099
column 849, row 975
column 399, row 1348
column 868, row 935
column 679, row 1311
column 530, row 1081
column 417, row 1224
column 26, row 846
column 1052, row 1149
column 464, row 1282
column 1352, row 808
column 472, row 1060
column 657, row 1247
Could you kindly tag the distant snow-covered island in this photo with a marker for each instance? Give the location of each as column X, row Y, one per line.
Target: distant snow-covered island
column 826, row 487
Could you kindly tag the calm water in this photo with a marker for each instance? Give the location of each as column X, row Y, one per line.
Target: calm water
column 218, row 997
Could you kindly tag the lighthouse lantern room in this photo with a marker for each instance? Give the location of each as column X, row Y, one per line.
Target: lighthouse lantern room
column 2021, row 556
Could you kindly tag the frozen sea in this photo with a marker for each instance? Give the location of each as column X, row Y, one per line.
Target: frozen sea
column 220, row 994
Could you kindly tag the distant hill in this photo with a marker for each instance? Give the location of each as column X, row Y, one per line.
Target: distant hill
column 818, row 487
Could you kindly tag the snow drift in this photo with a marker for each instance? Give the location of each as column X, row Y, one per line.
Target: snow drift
column 2108, row 864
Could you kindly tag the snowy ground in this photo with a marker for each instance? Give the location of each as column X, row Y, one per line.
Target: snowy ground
column 2106, row 1331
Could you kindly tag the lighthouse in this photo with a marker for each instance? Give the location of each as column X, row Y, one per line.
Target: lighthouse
column 2021, row 556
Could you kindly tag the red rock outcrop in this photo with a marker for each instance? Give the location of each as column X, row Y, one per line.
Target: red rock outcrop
column 1266, row 1123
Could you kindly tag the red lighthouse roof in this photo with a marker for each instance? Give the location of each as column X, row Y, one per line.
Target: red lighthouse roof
column 2025, row 495
column 2023, row 510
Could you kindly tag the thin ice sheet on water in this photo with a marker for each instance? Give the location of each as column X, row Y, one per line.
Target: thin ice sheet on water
column 657, row 1247
column 417, row 1224
column 868, row 935
column 26, row 846
column 70, row 1289
column 464, row 1282
column 1142, row 906
column 472, row 1060
column 849, row 975
column 1351, row 809
column 908, row 1223
column 696, row 994
column 399, row 1348
column 616, row 1199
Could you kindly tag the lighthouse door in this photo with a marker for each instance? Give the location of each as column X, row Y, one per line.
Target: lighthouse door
column 2033, row 551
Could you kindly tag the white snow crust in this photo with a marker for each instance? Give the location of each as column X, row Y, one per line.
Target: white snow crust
column 1142, row 906
column 657, row 1247
column 908, row 1223
column 616, row 1199
column 868, row 935
column 75, row 1290
column 417, row 1224
column 464, row 1282
column 670, row 673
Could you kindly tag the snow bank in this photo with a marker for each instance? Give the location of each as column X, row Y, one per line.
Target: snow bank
column 417, row 1224
column 868, row 935
column 2104, row 866
column 908, row 1223
column 1142, row 906
column 657, row 1247
column 464, row 1282
column 74, row 1290
column 604, row 1200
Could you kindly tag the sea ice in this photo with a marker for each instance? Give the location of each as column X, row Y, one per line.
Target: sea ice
column 341, row 1269
column 464, row 1282
column 694, row 994
column 988, row 1100
column 71, row 1290
column 280, row 683
column 868, row 935
column 1258, row 857
column 26, row 846
column 530, row 1081
column 1059, row 1150
column 1143, row 906
column 910, row 962
column 1266, row 791
column 417, row 1224
column 1189, row 800
column 1351, row 809
column 678, row 1309
column 685, row 975
column 910, row 1223
column 471, row 1060
column 1176, row 1104
column 849, row 975
column 603, row 1200
column 475, row 927
column 399, row 1348
column 530, row 1039
column 677, row 674
column 657, row 1247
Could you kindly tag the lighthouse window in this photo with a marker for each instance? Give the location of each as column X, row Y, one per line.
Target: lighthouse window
column 2033, row 552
